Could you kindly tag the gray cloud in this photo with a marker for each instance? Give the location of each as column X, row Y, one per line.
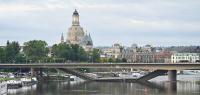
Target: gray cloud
column 158, row 22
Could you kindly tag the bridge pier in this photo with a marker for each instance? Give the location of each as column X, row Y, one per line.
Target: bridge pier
column 40, row 72
column 172, row 75
column 172, row 86
column 32, row 72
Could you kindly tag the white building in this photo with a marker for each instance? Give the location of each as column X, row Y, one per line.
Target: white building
column 184, row 57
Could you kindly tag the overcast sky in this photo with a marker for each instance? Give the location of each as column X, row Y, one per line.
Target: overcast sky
column 155, row 22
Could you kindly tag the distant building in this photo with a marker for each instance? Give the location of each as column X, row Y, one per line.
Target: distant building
column 129, row 52
column 185, row 57
column 147, row 48
column 112, row 52
column 162, row 57
column 144, row 57
column 76, row 34
column 137, row 54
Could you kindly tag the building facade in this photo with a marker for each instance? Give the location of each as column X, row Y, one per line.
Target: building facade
column 129, row 53
column 144, row 57
column 112, row 52
column 137, row 54
column 185, row 57
column 162, row 57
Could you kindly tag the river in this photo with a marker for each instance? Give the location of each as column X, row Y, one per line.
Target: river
column 186, row 85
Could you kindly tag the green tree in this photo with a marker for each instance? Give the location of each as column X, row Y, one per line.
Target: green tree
column 78, row 53
column 110, row 60
column 103, row 60
column 69, row 52
column 35, row 50
column 2, row 55
column 61, row 50
column 20, row 58
column 117, row 60
column 12, row 50
column 95, row 55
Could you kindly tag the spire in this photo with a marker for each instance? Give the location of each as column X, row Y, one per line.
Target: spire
column 62, row 38
column 89, row 34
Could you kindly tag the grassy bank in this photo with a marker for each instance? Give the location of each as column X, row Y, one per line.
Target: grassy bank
column 6, row 79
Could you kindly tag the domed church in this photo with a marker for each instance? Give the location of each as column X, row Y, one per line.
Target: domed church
column 76, row 34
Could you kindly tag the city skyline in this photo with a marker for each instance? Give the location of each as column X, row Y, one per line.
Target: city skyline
column 159, row 23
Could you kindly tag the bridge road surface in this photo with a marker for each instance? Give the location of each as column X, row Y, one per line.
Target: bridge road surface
column 148, row 66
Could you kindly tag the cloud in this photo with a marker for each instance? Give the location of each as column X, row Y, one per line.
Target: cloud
column 127, row 21
column 17, row 8
column 166, row 25
column 34, row 5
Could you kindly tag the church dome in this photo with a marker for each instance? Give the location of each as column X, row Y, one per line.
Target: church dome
column 86, row 41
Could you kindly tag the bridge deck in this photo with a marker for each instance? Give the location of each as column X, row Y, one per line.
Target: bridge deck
column 153, row 66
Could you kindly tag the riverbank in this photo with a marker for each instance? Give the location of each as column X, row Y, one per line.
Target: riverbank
column 15, row 83
column 3, row 88
column 7, row 79
column 198, row 82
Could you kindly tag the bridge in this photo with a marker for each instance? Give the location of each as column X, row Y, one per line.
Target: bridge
column 157, row 68
column 147, row 66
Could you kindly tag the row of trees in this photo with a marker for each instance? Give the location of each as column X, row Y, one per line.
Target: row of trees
column 10, row 53
column 38, row 51
column 74, row 53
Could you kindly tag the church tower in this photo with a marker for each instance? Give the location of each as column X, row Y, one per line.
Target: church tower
column 75, row 18
column 62, row 38
column 76, row 35
column 75, row 32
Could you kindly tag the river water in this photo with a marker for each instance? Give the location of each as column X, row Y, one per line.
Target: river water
column 185, row 85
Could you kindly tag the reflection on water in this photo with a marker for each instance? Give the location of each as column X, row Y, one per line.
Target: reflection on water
column 156, row 87
column 28, row 89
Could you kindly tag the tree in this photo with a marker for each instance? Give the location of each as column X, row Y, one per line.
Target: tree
column 69, row 52
column 110, row 60
column 95, row 55
column 78, row 53
column 2, row 55
column 61, row 50
column 20, row 58
column 124, row 60
column 12, row 50
column 35, row 50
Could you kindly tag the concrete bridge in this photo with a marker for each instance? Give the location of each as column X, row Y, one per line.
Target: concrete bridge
column 147, row 66
column 157, row 68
